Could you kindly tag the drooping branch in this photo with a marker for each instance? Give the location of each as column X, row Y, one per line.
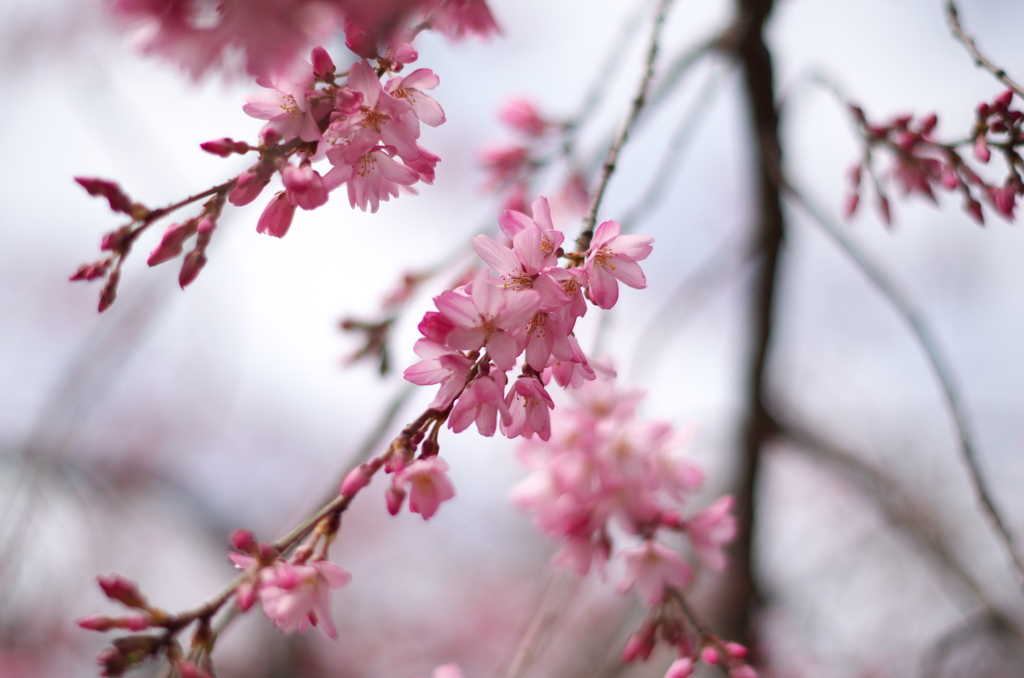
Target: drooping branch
column 936, row 359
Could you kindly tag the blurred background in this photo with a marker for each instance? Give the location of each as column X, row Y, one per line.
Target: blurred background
column 135, row 441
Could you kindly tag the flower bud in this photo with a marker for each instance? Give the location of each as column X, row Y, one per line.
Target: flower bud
column 122, row 590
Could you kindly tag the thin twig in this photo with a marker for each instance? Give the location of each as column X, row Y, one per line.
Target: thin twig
column 936, row 358
column 980, row 60
column 583, row 243
column 673, row 154
column 543, row 619
column 899, row 509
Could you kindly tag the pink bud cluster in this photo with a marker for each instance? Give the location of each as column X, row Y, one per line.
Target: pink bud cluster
column 922, row 165
column 527, row 309
column 366, row 129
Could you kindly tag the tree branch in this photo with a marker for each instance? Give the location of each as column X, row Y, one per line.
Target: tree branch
column 938, row 362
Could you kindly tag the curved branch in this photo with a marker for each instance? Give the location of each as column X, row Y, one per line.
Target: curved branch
column 936, row 359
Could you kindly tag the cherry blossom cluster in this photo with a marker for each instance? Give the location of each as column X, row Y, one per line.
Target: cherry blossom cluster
column 528, row 308
column 366, row 129
column 270, row 34
column 605, row 471
column 922, row 165
column 512, row 166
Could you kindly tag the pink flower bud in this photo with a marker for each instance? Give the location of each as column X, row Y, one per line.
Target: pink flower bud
column 136, row 622
column 395, row 496
column 1005, row 200
column 224, row 147
column 680, row 668
column 323, row 65
column 981, row 151
column 639, row 646
column 245, row 596
column 119, row 202
column 949, row 179
column 109, row 292
column 1003, row 100
column 171, row 244
column 928, row 124
column 357, row 479
column 974, row 209
column 850, row 206
column 735, row 650
column 247, row 188
column 243, row 540
column 122, row 590
column 96, row 622
column 709, row 655
column 190, row 268
column 97, row 269
column 404, row 53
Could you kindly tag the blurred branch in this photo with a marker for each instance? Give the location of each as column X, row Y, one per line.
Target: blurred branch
column 981, row 625
column 673, row 155
column 940, row 366
column 742, row 595
column 544, row 618
column 980, row 60
column 901, row 512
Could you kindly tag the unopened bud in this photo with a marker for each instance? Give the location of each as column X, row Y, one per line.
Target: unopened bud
column 357, row 479
column 96, row 622
column 395, row 496
column 122, row 590
column 1003, row 100
column 323, row 65
column 680, row 668
column 190, row 268
column 709, row 655
column 243, row 540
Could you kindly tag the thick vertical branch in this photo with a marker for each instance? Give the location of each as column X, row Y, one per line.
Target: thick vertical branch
column 755, row 59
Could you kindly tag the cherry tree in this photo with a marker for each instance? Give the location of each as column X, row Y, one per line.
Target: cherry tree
column 729, row 505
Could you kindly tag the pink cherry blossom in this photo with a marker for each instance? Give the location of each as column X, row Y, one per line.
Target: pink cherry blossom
column 711, row 529
column 296, row 597
column 440, row 366
column 522, row 115
column 277, row 217
column 371, row 172
column 653, row 568
column 529, row 406
column 304, row 186
column 612, row 257
column 285, row 105
column 410, row 88
column 490, row 317
column 429, row 485
column 481, row 403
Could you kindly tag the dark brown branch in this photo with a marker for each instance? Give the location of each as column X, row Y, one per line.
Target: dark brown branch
column 743, row 594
